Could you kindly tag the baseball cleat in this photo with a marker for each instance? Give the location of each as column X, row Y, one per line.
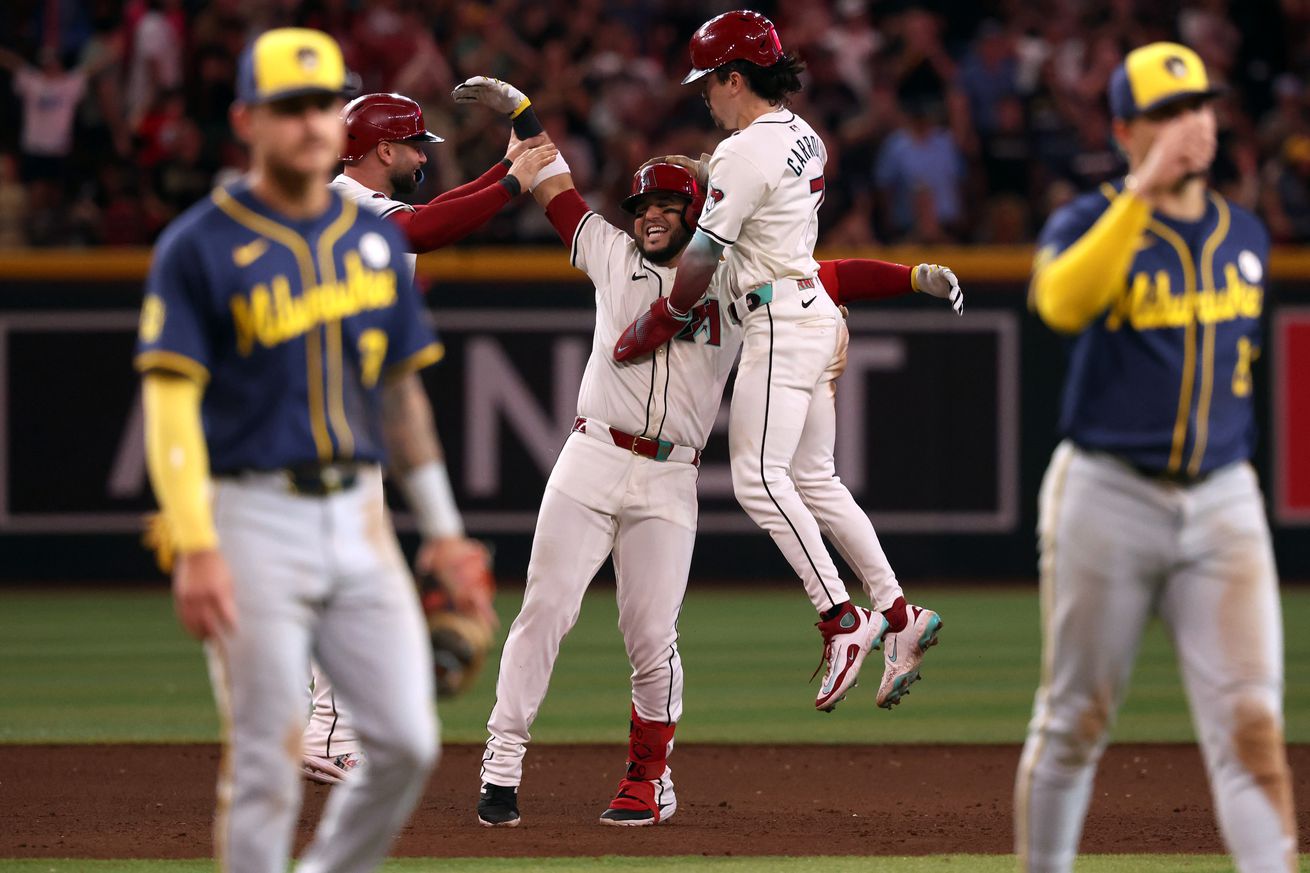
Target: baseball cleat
column 903, row 652
column 641, row 803
column 498, row 806
column 329, row 771
column 847, row 638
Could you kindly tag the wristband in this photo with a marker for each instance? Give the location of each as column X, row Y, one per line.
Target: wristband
column 557, row 167
column 512, row 185
column 524, row 121
column 427, row 490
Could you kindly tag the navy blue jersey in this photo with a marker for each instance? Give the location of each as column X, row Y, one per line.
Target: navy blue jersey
column 295, row 325
column 1163, row 377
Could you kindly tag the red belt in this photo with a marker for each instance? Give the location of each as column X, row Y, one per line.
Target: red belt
column 646, row 447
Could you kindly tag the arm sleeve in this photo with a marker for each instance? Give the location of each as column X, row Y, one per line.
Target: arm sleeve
column 411, row 342
column 736, row 189
column 438, row 224
column 487, row 179
column 178, row 460
column 854, row 279
column 1082, row 265
column 565, row 212
column 172, row 335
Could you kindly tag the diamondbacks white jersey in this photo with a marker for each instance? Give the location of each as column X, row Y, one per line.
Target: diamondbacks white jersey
column 765, row 188
column 673, row 395
column 375, row 202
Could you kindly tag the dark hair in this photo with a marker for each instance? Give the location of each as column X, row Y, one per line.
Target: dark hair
column 773, row 83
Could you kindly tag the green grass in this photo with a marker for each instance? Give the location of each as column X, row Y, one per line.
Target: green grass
column 686, row 864
column 115, row 667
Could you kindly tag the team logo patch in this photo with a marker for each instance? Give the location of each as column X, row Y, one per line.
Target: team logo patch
column 152, row 318
column 1252, row 270
column 307, row 58
column 1176, row 67
column 374, row 250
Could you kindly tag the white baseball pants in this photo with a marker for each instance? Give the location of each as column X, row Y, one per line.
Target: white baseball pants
column 321, row 577
column 599, row 499
column 781, row 432
column 1117, row 547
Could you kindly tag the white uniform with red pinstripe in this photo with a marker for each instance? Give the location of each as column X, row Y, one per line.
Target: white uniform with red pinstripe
column 602, row 500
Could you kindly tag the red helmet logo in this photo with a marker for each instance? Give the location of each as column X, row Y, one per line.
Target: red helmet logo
column 671, row 179
column 374, row 118
column 733, row 36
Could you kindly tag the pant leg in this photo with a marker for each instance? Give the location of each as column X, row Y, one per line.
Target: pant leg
column 783, row 360
column 572, row 540
column 652, row 557
column 258, row 672
column 373, row 643
column 1101, row 568
column 841, row 519
column 330, row 730
column 1222, row 608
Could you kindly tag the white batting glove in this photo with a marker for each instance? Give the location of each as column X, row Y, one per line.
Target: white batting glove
column 494, row 94
column 940, row 282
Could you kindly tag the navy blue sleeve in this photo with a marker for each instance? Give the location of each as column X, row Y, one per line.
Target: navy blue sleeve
column 1068, row 224
column 172, row 334
column 411, row 342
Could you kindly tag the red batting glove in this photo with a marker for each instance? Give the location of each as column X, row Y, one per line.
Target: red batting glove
column 651, row 330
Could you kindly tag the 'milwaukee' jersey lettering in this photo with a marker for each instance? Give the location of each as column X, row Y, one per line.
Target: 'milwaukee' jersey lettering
column 672, row 396
column 765, row 188
column 297, row 322
column 1163, row 377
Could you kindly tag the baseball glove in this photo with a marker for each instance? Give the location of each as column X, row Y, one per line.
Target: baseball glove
column 456, row 588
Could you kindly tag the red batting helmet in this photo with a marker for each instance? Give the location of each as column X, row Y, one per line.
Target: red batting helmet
column 667, row 178
column 733, row 36
column 374, row 118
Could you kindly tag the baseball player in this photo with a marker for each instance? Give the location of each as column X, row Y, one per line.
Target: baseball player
column 279, row 340
column 644, row 429
column 1150, row 505
column 383, row 157
column 766, row 184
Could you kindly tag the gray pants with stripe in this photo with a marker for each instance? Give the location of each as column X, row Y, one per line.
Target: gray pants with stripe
column 1117, row 548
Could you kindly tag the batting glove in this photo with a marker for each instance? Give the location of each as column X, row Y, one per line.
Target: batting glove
column 940, row 282
column 652, row 329
column 494, row 94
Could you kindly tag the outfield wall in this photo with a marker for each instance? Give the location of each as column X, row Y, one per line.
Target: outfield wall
column 945, row 424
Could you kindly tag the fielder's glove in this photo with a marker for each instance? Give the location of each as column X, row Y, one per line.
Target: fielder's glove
column 456, row 588
column 501, row 97
column 940, row 282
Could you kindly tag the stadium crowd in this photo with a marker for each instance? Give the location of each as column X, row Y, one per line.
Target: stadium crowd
column 951, row 121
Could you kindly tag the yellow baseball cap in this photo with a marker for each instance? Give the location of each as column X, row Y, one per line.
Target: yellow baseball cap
column 1156, row 75
column 290, row 62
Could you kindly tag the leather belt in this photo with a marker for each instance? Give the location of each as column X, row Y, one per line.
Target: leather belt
column 308, row 480
column 646, row 447
column 1176, row 477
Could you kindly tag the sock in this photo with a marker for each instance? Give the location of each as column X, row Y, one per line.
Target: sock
column 830, row 614
column 897, row 616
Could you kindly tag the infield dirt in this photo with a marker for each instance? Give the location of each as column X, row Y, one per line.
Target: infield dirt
column 156, row 801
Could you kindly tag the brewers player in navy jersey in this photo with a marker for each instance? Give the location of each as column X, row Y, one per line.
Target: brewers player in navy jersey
column 1150, row 505
column 279, row 337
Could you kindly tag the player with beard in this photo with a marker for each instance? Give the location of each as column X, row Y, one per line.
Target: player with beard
column 384, row 159
column 625, row 481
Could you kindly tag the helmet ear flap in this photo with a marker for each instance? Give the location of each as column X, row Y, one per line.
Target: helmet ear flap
column 691, row 212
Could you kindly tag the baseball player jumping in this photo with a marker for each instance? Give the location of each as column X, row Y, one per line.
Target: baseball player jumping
column 1150, row 504
column 384, row 157
column 766, row 184
column 279, row 340
column 625, row 481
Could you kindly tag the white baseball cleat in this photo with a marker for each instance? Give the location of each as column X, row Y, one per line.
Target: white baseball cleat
column 847, row 638
column 903, row 652
column 330, row 771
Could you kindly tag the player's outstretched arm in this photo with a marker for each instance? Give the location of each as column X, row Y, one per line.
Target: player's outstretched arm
column 850, row 279
column 668, row 315
column 418, row 464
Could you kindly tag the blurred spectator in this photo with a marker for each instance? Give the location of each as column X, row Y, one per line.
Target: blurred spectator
column 988, row 75
column 1287, row 192
column 920, row 176
column 13, row 205
column 1289, row 114
column 156, row 57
